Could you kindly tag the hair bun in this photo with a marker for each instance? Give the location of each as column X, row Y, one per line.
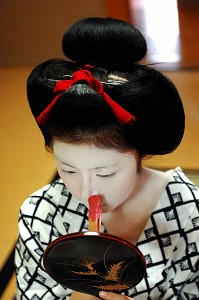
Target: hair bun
column 104, row 42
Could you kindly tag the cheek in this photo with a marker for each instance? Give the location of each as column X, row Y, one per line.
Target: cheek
column 120, row 189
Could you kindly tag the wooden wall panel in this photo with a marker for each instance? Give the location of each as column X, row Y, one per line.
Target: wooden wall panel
column 31, row 31
column 118, row 9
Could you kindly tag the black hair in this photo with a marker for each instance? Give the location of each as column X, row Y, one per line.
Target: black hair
column 81, row 115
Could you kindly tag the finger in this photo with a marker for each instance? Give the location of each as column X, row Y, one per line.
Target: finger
column 113, row 296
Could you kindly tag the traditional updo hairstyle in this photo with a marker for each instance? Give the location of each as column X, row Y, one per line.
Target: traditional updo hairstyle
column 81, row 115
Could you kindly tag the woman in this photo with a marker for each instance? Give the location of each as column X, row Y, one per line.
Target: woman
column 102, row 113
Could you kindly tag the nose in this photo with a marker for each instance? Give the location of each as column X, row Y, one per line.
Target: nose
column 87, row 187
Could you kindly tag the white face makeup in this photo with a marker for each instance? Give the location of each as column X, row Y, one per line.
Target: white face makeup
column 85, row 169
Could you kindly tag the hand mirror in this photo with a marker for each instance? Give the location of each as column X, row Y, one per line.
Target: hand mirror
column 89, row 262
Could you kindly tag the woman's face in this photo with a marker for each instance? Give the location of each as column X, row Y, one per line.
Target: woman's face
column 87, row 170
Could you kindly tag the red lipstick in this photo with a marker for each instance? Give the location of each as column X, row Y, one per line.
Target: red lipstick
column 94, row 213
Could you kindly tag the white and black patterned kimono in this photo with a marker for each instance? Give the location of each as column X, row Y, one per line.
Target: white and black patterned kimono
column 169, row 242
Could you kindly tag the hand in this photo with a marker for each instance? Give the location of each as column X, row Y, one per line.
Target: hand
column 113, row 296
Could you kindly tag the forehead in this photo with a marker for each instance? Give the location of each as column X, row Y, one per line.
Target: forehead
column 88, row 154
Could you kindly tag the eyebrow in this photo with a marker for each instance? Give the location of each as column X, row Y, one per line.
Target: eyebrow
column 68, row 165
column 97, row 168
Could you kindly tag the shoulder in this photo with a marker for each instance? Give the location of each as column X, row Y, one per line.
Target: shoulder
column 50, row 198
column 182, row 200
column 52, row 211
column 179, row 202
column 179, row 175
column 180, row 187
column 48, row 193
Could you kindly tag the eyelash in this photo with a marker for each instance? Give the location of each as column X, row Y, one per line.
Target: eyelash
column 106, row 176
column 68, row 172
column 101, row 176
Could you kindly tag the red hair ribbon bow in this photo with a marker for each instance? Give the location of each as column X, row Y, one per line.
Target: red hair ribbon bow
column 82, row 75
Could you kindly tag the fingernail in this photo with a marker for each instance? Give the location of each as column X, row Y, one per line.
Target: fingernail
column 103, row 294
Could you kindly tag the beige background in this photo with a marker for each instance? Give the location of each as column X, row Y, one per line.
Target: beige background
column 30, row 32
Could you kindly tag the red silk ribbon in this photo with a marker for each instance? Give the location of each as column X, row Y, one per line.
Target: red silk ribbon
column 122, row 115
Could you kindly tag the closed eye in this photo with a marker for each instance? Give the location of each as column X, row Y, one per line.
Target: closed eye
column 106, row 176
column 69, row 172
